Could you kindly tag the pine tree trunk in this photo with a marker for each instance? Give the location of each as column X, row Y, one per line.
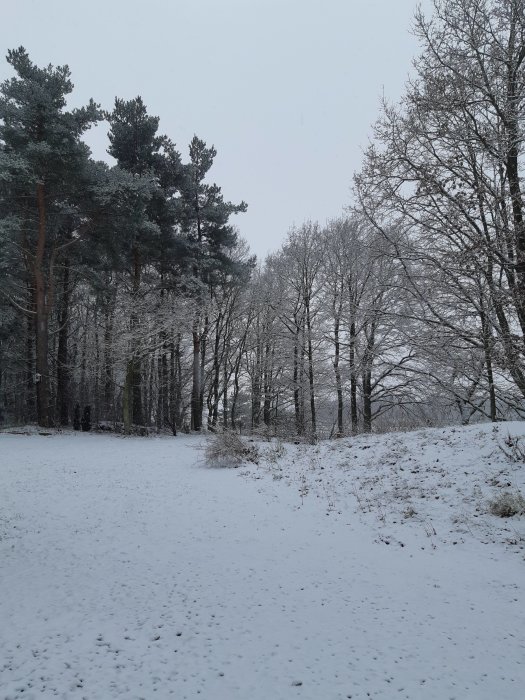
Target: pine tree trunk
column 133, row 381
column 136, row 377
column 63, row 398
column 177, row 410
column 42, row 317
column 109, row 398
column 28, row 413
column 83, row 393
column 96, row 368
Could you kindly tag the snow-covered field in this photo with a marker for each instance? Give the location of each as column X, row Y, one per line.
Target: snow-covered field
column 365, row 568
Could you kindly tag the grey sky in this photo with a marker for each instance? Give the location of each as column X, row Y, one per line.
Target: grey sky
column 286, row 90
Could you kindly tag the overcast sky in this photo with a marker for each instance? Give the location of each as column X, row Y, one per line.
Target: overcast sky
column 286, row 90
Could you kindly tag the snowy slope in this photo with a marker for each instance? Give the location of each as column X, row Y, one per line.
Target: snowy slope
column 130, row 569
column 438, row 482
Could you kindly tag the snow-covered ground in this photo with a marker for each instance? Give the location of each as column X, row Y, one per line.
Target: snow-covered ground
column 365, row 568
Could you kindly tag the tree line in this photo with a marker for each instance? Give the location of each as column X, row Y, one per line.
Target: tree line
column 128, row 289
column 87, row 249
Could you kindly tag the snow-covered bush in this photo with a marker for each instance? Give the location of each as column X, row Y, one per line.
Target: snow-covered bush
column 275, row 452
column 228, row 449
column 508, row 504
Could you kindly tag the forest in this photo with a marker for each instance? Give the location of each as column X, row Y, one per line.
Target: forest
column 130, row 301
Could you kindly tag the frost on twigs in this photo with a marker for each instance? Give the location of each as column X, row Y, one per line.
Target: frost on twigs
column 228, row 449
column 514, row 448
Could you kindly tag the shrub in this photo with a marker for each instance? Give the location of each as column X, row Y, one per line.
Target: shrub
column 507, row 504
column 514, row 448
column 229, row 450
column 275, row 452
column 409, row 512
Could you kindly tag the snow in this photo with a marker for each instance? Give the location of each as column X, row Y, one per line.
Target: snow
column 131, row 569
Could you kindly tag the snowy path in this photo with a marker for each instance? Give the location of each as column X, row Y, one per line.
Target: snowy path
column 130, row 570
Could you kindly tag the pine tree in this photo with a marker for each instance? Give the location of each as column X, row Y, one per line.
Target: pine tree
column 150, row 219
column 43, row 160
column 205, row 221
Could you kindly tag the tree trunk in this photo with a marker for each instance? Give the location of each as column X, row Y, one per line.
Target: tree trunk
column 83, row 392
column 267, row 382
column 338, row 383
column 213, row 408
column 196, row 412
column 203, row 346
column 236, row 388
column 28, row 412
column 63, row 399
column 136, row 377
column 367, row 400
column 161, row 392
column 177, row 410
column 166, row 383
column 368, row 360
column 299, row 422
column 310, row 367
column 256, row 383
column 225, row 380
column 133, row 381
column 487, row 348
column 127, row 398
column 512, row 168
column 96, row 377
column 42, row 317
column 109, row 397
column 353, row 381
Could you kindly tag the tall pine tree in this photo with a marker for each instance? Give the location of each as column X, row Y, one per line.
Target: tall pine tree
column 43, row 159
column 205, row 222
column 151, row 218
